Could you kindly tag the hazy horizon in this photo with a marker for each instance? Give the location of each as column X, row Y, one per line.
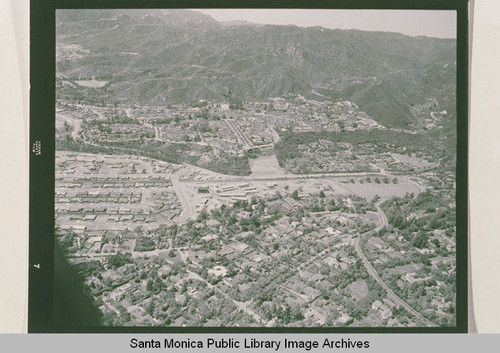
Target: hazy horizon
column 430, row 23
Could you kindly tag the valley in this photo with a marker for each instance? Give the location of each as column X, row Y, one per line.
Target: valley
column 201, row 183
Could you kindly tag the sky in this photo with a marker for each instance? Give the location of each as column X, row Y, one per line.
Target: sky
column 431, row 23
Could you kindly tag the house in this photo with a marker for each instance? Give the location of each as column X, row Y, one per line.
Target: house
column 385, row 312
column 377, row 242
column 209, row 237
column 376, row 304
column 410, row 278
column 332, row 231
column 280, row 105
column 218, row 271
column 89, row 217
column 344, row 319
column 79, row 228
column 425, row 251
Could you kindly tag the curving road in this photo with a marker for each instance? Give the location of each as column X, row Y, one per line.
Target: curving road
column 188, row 209
column 77, row 124
column 376, row 277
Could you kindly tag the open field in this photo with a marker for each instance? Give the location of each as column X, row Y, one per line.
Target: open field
column 266, row 166
column 385, row 191
column 413, row 161
column 92, row 83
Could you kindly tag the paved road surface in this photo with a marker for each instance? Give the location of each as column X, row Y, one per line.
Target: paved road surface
column 376, row 277
column 188, row 209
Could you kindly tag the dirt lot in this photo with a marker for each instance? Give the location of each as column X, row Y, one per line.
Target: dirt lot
column 359, row 289
column 369, row 190
column 413, row 161
column 266, row 166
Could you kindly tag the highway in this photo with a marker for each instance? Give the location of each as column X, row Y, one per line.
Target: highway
column 297, row 177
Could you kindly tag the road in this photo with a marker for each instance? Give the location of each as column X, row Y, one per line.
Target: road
column 376, row 277
column 77, row 124
column 157, row 133
column 239, row 134
column 188, row 209
column 300, row 176
column 95, row 111
column 59, row 37
column 156, row 129
column 276, row 139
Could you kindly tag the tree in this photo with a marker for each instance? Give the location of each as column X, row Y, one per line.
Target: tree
column 341, row 125
column 420, row 241
column 295, row 195
column 119, row 260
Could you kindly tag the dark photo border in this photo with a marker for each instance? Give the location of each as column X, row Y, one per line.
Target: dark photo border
column 42, row 158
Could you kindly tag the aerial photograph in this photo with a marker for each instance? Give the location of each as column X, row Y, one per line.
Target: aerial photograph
column 234, row 168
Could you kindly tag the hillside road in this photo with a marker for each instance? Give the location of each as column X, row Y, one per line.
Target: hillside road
column 376, row 277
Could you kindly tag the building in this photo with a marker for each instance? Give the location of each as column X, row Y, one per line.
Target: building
column 203, row 189
column 218, row 271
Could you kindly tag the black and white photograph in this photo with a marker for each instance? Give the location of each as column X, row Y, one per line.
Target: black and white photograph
column 255, row 168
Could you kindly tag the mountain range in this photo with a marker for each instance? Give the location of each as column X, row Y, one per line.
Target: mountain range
column 183, row 56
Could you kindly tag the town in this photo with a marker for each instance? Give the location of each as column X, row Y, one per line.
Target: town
column 285, row 212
